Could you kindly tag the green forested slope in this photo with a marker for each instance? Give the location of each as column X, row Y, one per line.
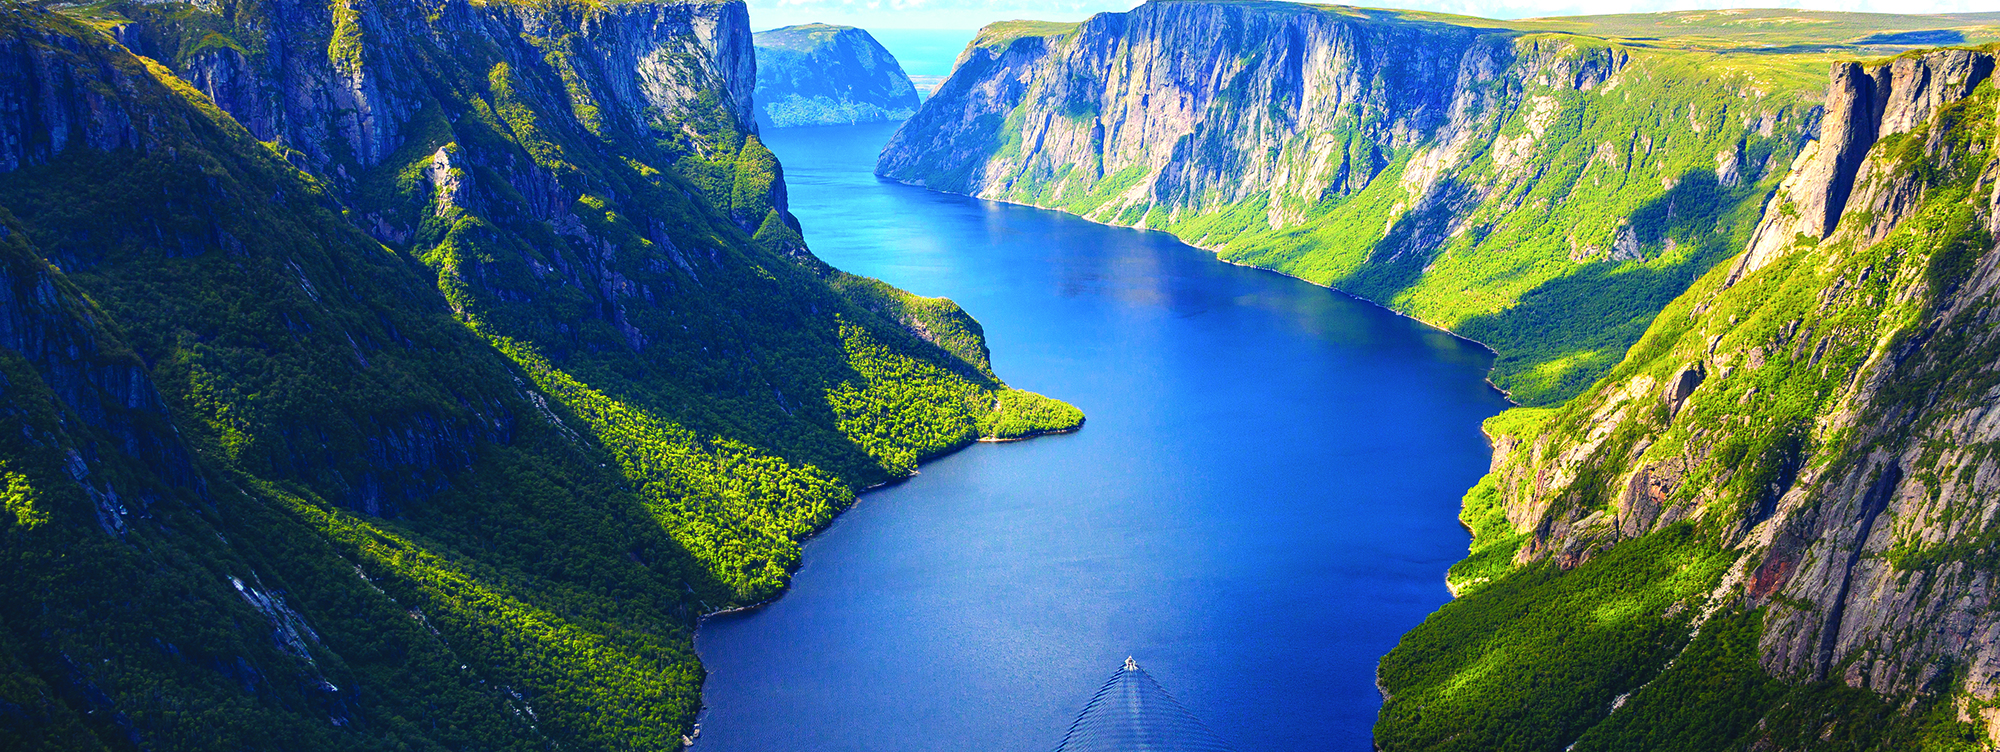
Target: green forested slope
column 1557, row 243
column 426, row 407
column 1772, row 525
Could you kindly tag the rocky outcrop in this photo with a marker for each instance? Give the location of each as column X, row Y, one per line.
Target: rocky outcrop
column 64, row 97
column 820, row 74
column 1863, row 107
column 1822, row 410
column 55, row 109
column 1403, row 158
column 364, row 95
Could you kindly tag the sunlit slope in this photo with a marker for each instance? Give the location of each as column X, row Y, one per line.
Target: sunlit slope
column 392, row 377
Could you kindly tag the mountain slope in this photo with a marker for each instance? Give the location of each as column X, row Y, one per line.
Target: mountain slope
column 1541, row 186
column 820, row 74
column 391, row 375
column 1772, row 525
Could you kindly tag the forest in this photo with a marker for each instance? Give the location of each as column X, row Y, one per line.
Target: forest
column 323, row 436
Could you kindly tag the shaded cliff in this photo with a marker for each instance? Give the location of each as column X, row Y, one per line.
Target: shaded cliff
column 820, row 74
column 1773, row 525
column 1539, row 186
column 392, row 375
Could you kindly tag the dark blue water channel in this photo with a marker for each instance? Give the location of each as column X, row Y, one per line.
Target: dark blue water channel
column 1263, row 500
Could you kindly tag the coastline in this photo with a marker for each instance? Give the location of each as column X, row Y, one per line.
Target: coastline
column 859, row 492
column 719, row 650
column 1216, row 252
column 1026, row 436
column 688, row 740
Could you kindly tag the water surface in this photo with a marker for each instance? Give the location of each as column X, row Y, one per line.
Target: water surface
column 1263, row 500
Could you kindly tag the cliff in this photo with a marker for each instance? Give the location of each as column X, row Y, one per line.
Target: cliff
column 1773, row 524
column 820, row 74
column 1544, row 187
column 394, row 374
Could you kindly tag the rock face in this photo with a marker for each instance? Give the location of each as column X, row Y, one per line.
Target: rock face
column 318, row 79
column 353, row 95
column 820, row 74
column 1482, row 178
column 1167, row 89
column 1816, row 420
column 1862, row 107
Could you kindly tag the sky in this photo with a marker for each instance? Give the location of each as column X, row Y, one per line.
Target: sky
column 972, row 14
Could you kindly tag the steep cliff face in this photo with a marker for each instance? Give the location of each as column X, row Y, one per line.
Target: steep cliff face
column 1544, row 193
column 1783, row 499
column 320, row 77
column 349, row 88
column 429, row 404
column 819, row 74
column 1864, row 107
column 1197, row 97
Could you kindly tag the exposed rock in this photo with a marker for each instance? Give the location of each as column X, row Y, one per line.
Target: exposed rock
column 1163, row 89
column 1625, row 244
column 1683, row 386
column 54, row 110
column 449, row 180
column 1862, row 106
column 1729, row 167
column 345, row 111
column 820, row 74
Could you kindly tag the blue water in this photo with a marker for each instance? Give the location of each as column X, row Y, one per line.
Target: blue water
column 1263, row 499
